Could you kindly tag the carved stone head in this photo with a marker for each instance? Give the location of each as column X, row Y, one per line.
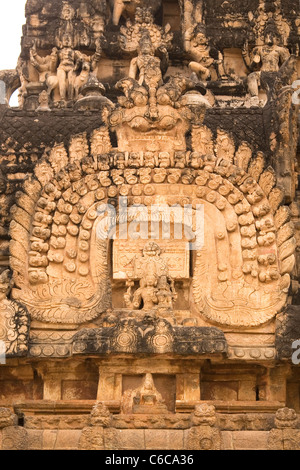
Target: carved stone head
column 145, row 45
column 7, row 418
column 204, row 414
column 100, row 415
column 271, row 34
column 67, row 12
column 5, row 284
column 199, row 35
column 67, row 40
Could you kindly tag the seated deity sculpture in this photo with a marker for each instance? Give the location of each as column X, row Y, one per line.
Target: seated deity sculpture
column 156, row 289
column 266, row 58
column 196, row 44
column 144, row 399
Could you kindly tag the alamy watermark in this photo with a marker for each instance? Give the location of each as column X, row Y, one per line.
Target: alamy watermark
column 2, row 353
column 296, row 94
column 157, row 221
column 296, row 354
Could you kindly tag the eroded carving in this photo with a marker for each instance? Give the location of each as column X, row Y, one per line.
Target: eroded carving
column 204, row 434
column 14, row 320
column 285, row 436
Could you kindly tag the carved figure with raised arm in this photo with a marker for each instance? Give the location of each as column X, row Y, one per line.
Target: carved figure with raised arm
column 266, row 58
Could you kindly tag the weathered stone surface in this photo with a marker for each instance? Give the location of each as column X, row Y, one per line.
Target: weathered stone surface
column 164, row 440
column 161, row 338
column 14, row 438
column 287, row 331
column 92, row 438
column 130, row 439
column 149, row 227
column 35, row 439
column 284, row 439
column 249, row 440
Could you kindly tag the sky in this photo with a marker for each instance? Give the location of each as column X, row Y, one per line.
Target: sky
column 11, row 20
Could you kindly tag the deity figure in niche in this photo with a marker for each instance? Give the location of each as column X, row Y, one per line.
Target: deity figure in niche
column 146, row 69
column 144, row 399
column 146, row 294
column 267, row 58
column 204, row 57
column 43, row 101
column 65, row 69
column 156, row 289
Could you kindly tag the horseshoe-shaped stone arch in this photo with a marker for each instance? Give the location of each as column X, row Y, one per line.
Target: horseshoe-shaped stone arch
column 55, row 273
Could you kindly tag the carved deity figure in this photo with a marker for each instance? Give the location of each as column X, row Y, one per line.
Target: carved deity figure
column 146, row 293
column 22, row 70
column 65, row 68
column 66, row 20
column 86, row 66
column 46, row 66
column 144, row 399
column 196, row 44
column 266, row 58
column 156, row 286
column 43, row 101
column 128, row 8
column 146, row 68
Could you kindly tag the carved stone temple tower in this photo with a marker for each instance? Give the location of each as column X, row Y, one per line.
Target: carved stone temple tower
column 150, row 227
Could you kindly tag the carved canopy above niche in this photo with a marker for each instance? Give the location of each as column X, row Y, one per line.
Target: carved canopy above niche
column 240, row 277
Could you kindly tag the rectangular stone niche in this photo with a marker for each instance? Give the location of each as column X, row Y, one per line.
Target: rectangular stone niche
column 165, row 385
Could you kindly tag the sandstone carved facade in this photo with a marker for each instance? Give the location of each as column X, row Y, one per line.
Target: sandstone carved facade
column 149, row 227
